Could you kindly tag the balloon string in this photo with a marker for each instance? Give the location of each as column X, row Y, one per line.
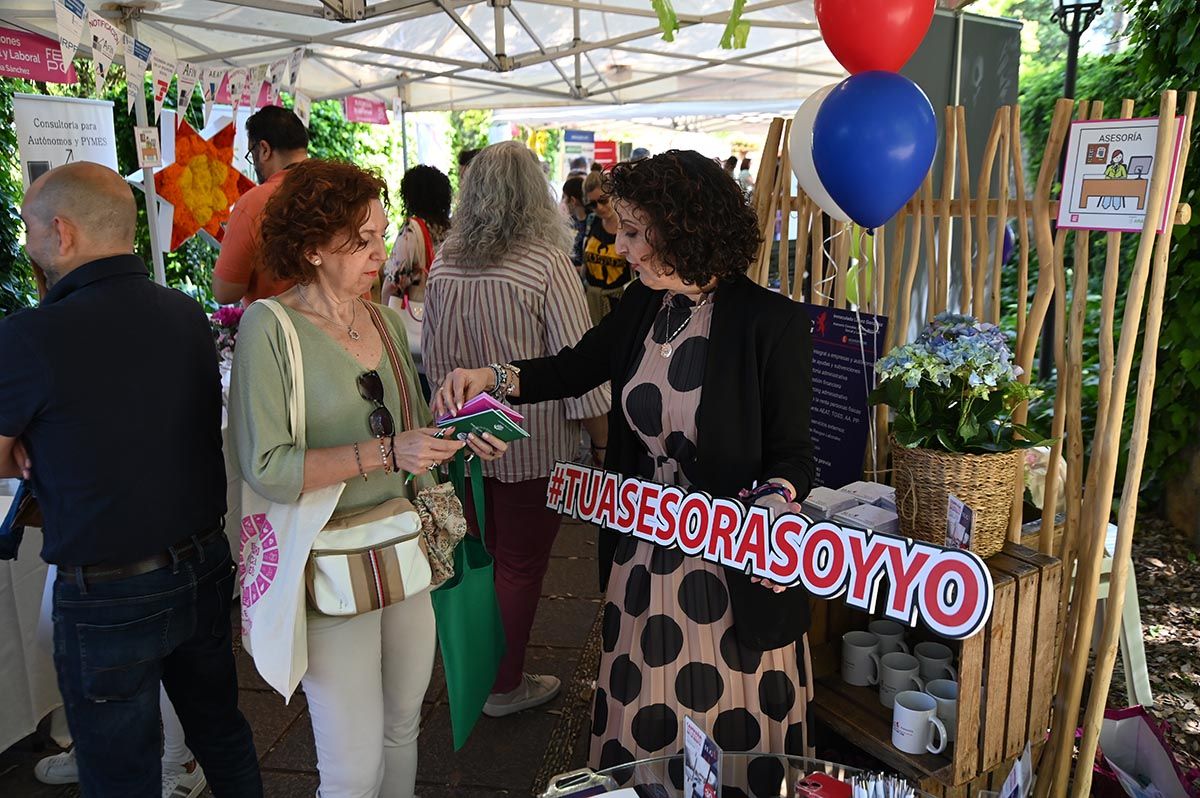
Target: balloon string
column 832, row 263
column 866, row 372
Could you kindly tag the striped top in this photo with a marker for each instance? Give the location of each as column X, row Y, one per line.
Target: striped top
column 529, row 305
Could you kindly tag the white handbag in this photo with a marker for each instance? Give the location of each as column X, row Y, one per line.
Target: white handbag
column 374, row 558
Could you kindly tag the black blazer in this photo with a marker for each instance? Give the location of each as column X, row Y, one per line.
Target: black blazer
column 753, row 417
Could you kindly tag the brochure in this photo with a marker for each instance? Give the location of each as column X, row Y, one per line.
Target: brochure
column 701, row 763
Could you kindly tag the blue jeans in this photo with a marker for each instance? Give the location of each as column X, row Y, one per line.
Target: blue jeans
column 113, row 643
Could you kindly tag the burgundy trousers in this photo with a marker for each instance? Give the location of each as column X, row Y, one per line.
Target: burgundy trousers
column 520, row 534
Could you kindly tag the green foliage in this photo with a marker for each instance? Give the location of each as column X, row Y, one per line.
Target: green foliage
column 470, row 132
column 16, row 280
column 1163, row 53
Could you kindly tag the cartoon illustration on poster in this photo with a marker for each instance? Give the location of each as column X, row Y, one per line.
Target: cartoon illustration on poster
column 1106, row 185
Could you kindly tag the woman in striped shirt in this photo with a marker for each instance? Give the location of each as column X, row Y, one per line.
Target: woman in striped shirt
column 503, row 288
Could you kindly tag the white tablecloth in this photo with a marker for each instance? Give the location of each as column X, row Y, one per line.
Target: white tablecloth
column 28, row 686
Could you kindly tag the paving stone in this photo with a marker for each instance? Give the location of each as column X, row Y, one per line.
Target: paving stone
column 520, row 738
column 564, row 622
column 290, row 785
column 269, row 717
column 575, row 540
column 295, row 750
column 573, row 577
column 248, row 676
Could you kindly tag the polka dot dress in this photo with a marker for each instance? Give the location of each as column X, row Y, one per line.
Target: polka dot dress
column 669, row 648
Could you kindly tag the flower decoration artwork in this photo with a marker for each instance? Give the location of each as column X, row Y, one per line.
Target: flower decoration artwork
column 202, row 184
column 955, row 388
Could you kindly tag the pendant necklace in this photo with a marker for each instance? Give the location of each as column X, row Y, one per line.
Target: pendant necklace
column 665, row 349
column 353, row 333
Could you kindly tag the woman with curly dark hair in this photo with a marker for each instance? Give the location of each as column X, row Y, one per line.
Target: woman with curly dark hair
column 366, row 674
column 425, row 192
column 711, row 390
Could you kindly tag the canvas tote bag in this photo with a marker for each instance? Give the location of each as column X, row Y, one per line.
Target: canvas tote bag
column 275, row 543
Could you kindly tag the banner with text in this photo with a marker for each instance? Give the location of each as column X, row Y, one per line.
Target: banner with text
column 365, row 109
column 32, row 57
column 52, row 131
column 949, row 590
column 106, row 40
column 846, row 345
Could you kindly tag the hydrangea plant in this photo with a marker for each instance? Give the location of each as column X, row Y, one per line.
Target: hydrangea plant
column 954, row 389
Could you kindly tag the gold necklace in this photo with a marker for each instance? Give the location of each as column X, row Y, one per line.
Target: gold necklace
column 353, row 333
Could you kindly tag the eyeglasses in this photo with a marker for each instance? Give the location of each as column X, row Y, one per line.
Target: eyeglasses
column 370, row 387
column 603, row 200
column 249, row 156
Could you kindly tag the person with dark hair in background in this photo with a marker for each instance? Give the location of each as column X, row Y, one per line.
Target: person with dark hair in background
column 745, row 178
column 277, row 140
column 110, row 405
column 577, row 212
column 711, row 388
column 425, row 192
column 731, row 165
column 464, row 161
column 579, row 167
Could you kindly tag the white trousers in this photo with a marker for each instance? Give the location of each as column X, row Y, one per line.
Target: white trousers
column 366, row 678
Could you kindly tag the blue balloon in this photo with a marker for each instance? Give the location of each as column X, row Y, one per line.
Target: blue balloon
column 873, row 143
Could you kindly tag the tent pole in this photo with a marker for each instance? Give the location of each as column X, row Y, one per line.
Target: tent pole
column 404, row 132
column 151, row 193
column 578, row 56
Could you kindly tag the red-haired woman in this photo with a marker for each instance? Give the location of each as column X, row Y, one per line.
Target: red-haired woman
column 367, row 674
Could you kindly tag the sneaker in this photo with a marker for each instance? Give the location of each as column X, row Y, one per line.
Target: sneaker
column 533, row 691
column 57, row 769
column 178, row 783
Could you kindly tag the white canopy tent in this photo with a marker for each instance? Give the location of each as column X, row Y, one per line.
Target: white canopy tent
column 457, row 54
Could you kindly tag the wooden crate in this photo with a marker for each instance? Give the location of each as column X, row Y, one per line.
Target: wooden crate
column 1005, row 679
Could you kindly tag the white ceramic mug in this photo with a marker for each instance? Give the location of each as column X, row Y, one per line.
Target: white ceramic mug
column 897, row 672
column 945, row 693
column 890, row 634
column 915, row 724
column 935, row 660
column 858, row 668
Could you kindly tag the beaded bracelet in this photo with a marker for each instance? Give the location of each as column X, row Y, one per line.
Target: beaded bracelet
column 383, row 455
column 358, row 460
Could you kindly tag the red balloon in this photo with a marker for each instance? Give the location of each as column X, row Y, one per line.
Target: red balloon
column 873, row 34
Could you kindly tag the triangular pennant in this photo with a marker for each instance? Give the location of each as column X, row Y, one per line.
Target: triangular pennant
column 235, row 82
column 162, row 69
column 137, row 57
column 302, row 106
column 69, row 17
column 293, row 68
column 210, row 85
column 189, row 75
column 106, row 39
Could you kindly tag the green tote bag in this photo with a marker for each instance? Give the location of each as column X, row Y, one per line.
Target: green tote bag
column 469, row 628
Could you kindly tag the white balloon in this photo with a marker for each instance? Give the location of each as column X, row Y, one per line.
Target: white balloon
column 800, row 147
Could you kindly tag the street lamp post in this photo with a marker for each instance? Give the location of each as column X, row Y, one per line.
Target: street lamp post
column 1073, row 18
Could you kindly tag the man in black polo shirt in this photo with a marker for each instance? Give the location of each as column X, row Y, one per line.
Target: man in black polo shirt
column 110, row 402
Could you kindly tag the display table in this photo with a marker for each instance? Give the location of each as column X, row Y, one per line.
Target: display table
column 27, row 679
column 662, row 775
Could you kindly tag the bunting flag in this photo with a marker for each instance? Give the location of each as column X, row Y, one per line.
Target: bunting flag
column 189, row 75
column 106, row 38
column 295, row 59
column 137, row 58
column 162, row 69
column 234, row 83
column 69, row 17
column 302, row 106
column 210, row 84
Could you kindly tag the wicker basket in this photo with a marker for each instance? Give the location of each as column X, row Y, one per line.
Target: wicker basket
column 925, row 478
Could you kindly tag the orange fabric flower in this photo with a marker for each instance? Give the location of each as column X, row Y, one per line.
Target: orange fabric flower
column 202, row 184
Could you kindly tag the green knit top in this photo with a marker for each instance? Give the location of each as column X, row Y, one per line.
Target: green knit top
column 335, row 412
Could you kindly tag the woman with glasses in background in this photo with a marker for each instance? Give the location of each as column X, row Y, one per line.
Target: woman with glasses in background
column 367, row 674
column 605, row 271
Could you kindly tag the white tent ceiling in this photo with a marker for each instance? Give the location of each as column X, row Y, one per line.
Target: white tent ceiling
column 457, row 54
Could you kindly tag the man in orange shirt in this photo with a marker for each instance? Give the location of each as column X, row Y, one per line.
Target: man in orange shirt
column 277, row 140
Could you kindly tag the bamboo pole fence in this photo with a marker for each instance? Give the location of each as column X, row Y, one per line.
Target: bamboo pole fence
column 978, row 208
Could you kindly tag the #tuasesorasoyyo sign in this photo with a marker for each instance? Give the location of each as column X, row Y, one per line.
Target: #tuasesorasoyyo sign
column 949, row 590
